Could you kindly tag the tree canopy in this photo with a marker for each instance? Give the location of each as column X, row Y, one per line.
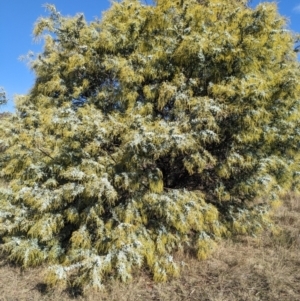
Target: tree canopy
column 155, row 129
column 3, row 99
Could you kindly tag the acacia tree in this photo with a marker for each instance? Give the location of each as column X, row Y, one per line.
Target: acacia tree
column 155, row 129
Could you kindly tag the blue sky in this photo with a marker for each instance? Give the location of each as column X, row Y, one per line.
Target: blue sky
column 17, row 18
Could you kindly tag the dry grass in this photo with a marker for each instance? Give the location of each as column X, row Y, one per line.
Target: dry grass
column 246, row 269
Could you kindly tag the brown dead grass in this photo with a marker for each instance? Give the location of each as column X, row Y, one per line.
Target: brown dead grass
column 247, row 269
